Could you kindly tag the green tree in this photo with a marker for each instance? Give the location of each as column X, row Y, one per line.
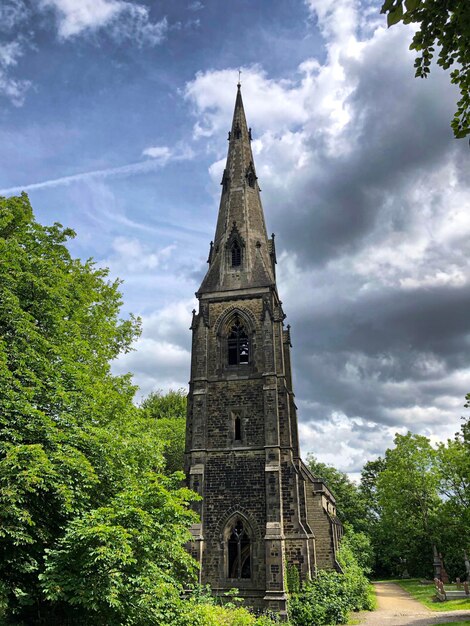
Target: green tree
column 168, row 412
column 445, row 23
column 171, row 405
column 77, row 458
column 453, row 459
column 408, row 496
column 368, row 486
column 375, row 531
column 126, row 563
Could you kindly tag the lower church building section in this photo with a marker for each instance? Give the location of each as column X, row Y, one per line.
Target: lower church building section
column 261, row 509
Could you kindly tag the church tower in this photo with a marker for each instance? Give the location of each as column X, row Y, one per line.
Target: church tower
column 261, row 510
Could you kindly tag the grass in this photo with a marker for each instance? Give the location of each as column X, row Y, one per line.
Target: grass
column 457, row 623
column 425, row 594
column 372, row 597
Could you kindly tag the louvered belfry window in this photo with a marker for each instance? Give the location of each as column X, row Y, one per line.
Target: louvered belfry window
column 238, row 344
column 236, row 254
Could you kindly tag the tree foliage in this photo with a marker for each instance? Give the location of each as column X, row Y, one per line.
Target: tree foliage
column 168, row 412
column 80, row 489
column 330, row 597
column 419, row 500
column 409, row 500
column 445, row 24
column 115, row 563
column 171, row 405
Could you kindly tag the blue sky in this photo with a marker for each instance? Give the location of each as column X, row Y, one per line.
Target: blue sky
column 114, row 117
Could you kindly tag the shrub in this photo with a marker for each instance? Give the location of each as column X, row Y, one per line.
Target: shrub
column 292, row 578
column 355, row 582
column 214, row 615
column 205, row 609
column 329, row 598
column 324, row 600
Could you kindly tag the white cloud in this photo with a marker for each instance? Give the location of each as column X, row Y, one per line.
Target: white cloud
column 12, row 88
column 12, row 13
column 181, row 152
column 195, row 6
column 122, row 20
column 10, row 52
column 162, row 356
column 75, row 17
column 158, row 152
column 133, row 256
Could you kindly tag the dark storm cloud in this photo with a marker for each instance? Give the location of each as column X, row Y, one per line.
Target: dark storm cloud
column 399, row 130
column 393, row 349
column 434, row 320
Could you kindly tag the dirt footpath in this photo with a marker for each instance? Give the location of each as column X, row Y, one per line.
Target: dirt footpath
column 397, row 608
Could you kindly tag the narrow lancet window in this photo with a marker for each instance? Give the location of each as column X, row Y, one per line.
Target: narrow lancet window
column 236, row 254
column 238, row 344
column 239, row 565
column 237, row 427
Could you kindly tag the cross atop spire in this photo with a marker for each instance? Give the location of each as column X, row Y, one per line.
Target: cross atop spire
column 241, row 220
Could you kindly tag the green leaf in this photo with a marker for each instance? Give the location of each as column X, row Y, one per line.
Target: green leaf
column 387, row 6
column 395, row 16
column 411, row 5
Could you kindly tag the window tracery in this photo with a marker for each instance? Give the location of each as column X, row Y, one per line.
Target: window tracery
column 238, row 343
column 239, row 551
column 236, row 254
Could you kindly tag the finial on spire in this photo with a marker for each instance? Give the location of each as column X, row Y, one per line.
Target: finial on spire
column 239, row 84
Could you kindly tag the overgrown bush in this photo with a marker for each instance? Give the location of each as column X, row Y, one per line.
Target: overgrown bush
column 213, row 615
column 330, row 597
column 292, row 578
column 324, row 600
column 204, row 609
column 354, row 579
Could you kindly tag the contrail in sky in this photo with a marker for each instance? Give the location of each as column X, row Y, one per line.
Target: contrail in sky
column 130, row 169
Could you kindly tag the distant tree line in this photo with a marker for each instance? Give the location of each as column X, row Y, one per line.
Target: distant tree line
column 410, row 505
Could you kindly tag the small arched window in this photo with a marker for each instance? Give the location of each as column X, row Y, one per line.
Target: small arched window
column 251, row 179
column 239, row 561
column 238, row 344
column 236, row 254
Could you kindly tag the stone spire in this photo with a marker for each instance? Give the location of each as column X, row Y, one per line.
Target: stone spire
column 241, row 255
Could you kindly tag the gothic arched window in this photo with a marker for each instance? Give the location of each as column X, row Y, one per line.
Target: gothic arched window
column 236, row 254
column 239, row 561
column 251, row 179
column 238, row 344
